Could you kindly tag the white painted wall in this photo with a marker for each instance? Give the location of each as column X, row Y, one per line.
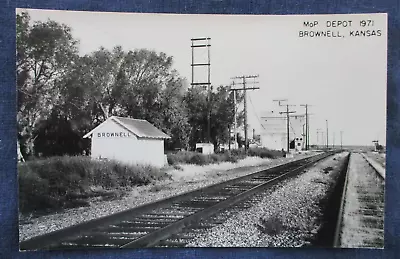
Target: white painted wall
column 207, row 148
column 274, row 141
column 128, row 148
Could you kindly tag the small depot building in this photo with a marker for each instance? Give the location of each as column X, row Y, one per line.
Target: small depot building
column 130, row 141
column 205, row 148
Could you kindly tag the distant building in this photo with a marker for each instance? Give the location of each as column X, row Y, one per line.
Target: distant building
column 377, row 146
column 205, row 148
column 274, row 131
column 299, row 143
column 127, row 140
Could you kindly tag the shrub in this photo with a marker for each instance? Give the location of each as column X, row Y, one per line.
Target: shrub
column 59, row 182
column 238, row 153
column 187, row 157
column 179, row 157
column 271, row 226
column 199, row 159
column 230, row 157
column 178, row 167
column 217, row 158
column 264, row 153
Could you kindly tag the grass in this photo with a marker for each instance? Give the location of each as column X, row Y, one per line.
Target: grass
column 264, row 153
column 57, row 183
column 63, row 182
column 188, row 157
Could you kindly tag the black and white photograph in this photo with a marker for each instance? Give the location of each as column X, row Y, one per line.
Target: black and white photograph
column 146, row 130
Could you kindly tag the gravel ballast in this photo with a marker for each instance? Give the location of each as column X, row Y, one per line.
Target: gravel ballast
column 287, row 216
column 190, row 178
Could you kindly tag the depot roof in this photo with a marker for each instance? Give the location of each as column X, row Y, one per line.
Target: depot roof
column 140, row 128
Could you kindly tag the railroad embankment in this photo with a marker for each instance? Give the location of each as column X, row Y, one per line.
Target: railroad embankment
column 292, row 214
column 167, row 182
column 48, row 185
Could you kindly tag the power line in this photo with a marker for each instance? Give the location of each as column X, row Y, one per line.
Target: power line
column 234, row 113
column 307, row 126
column 245, row 89
column 287, row 112
column 291, row 125
column 255, row 113
column 327, row 134
column 318, row 132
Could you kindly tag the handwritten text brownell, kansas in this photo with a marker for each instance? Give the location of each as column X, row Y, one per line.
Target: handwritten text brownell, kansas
column 366, row 29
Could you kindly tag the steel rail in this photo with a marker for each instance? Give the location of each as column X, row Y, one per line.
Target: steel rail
column 339, row 222
column 163, row 233
column 58, row 236
column 376, row 166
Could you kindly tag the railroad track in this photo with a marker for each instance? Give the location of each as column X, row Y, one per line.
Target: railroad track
column 168, row 221
column 364, row 225
column 377, row 163
column 381, row 160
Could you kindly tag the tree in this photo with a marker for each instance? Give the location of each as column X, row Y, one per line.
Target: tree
column 56, row 137
column 222, row 115
column 101, row 74
column 62, row 95
column 153, row 91
column 140, row 84
column 197, row 107
column 146, row 74
column 45, row 53
column 79, row 107
column 174, row 119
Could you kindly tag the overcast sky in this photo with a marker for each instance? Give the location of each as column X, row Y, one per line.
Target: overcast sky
column 343, row 78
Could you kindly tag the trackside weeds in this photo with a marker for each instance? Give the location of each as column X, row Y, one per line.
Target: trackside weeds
column 185, row 178
column 55, row 183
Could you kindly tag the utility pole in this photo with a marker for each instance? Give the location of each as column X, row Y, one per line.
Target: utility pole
column 318, row 131
column 287, row 112
column 229, row 137
column 333, row 145
column 307, row 126
column 234, row 90
column 245, row 89
column 327, row 143
column 204, row 43
column 341, row 139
